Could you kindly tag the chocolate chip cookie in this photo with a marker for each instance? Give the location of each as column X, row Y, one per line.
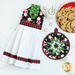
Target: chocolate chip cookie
column 61, row 15
column 66, row 18
column 71, row 16
column 63, row 24
column 68, row 27
column 73, row 25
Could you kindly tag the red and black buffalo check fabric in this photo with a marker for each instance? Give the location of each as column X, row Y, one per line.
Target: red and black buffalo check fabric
column 21, row 58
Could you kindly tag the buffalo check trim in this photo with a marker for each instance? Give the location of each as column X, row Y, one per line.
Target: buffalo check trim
column 21, row 58
column 31, row 25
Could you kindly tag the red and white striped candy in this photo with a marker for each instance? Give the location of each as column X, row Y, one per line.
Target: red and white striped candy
column 45, row 29
column 44, row 7
column 51, row 24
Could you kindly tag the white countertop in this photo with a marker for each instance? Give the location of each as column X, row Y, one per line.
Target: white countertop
column 10, row 14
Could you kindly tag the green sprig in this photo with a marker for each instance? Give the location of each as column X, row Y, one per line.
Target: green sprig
column 53, row 10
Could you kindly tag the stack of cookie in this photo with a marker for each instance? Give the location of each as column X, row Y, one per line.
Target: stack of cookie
column 66, row 18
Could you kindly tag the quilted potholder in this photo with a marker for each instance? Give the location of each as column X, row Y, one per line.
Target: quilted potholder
column 56, row 45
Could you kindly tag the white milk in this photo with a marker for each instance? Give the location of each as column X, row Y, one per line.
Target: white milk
column 50, row 14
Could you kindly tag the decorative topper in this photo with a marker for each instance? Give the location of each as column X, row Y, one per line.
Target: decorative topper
column 56, row 45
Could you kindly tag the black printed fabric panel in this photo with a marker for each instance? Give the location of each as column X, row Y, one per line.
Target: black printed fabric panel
column 37, row 20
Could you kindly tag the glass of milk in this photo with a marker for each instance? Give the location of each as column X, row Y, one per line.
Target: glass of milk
column 51, row 13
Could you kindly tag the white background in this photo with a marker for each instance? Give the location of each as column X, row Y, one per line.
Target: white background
column 10, row 15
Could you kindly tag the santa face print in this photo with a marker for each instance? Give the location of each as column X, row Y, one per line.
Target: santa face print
column 28, row 20
column 38, row 20
column 25, row 12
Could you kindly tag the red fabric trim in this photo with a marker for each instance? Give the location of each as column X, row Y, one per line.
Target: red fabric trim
column 31, row 25
column 21, row 58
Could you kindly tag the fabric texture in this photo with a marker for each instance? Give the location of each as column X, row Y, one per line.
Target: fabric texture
column 56, row 45
column 34, row 11
column 24, row 48
column 32, row 22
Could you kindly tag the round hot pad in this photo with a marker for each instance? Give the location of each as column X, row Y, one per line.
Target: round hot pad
column 56, row 45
